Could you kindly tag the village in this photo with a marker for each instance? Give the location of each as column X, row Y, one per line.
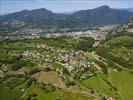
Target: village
column 31, row 33
column 74, row 62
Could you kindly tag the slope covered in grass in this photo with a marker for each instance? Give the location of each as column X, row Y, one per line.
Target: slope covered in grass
column 119, row 50
column 123, row 81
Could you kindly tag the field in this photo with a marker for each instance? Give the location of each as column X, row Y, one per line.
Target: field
column 119, row 50
column 99, row 85
column 124, row 82
column 49, row 77
column 59, row 94
column 6, row 94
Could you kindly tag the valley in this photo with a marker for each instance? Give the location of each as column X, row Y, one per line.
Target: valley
column 62, row 66
column 65, row 57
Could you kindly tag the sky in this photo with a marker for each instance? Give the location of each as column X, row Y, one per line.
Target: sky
column 59, row 6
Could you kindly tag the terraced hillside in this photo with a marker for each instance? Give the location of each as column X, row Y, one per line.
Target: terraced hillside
column 119, row 50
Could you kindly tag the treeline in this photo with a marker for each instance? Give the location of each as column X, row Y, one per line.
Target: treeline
column 16, row 62
column 85, row 44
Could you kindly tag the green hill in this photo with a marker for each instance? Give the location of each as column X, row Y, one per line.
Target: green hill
column 118, row 49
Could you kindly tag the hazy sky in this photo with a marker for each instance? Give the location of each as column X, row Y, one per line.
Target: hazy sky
column 9, row 6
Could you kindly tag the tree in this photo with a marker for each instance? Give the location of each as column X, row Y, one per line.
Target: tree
column 85, row 44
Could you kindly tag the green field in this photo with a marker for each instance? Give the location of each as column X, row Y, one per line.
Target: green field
column 100, row 85
column 58, row 94
column 119, row 50
column 6, row 94
column 124, row 82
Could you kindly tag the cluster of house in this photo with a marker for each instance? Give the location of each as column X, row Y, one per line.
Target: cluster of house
column 28, row 33
column 96, row 34
column 71, row 60
column 76, row 64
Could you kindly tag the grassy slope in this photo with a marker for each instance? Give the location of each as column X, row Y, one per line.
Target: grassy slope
column 58, row 93
column 123, row 40
column 124, row 82
column 118, row 49
column 6, row 94
column 98, row 84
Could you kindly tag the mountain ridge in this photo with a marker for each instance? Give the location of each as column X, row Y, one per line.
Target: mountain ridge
column 103, row 15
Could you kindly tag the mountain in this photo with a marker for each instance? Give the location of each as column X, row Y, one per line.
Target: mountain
column 127, row 9
column 40, row 17
column 93, row 17
column 37, row 16
column 130, row 9
column 103, row 15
